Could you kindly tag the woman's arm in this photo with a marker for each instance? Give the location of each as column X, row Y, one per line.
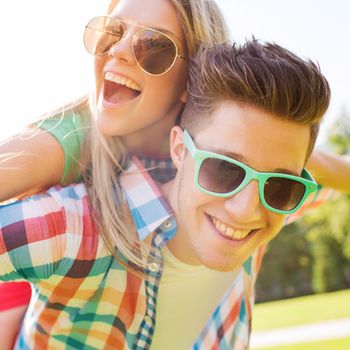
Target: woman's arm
column 43, row 155
column 330, row 170
column 29, row 162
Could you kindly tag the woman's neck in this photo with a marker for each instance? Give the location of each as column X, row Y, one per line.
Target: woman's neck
column 153, row 139
column 147, row 143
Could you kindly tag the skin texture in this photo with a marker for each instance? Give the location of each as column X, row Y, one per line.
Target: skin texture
column 237, row 130
column 28, row 163
column 12, row 319
column 330, row 170
column 144, row 122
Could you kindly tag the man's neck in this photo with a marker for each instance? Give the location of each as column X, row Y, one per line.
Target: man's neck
column 180, row 246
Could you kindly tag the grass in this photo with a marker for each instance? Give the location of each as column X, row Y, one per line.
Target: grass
column 298, row 311
column 338, row 344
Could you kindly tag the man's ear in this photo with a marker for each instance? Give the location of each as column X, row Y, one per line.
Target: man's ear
column 177, row 147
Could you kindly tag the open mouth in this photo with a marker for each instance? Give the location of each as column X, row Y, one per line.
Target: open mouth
column 118, row 89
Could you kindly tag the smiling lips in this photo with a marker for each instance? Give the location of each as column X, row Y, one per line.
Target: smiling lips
column 229, row 231
column 118, row 89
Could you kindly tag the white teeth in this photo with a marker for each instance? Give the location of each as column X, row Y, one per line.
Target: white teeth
column 229, row 231
column 122, row 81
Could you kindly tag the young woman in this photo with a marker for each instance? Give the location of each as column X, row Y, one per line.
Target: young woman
column 138, row 96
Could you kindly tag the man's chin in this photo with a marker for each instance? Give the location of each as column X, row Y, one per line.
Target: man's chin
column 222, row 265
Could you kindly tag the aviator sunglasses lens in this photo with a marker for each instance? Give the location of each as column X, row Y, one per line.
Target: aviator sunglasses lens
column 101, row 33
column 154, row 51
column 219, row 176
column 283, row 194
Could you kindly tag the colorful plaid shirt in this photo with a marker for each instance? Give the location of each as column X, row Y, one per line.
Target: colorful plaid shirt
column 82, row 297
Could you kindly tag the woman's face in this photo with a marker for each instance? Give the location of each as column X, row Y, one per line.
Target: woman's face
column 129, row 102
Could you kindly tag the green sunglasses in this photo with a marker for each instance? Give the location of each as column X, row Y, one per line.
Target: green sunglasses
column 221, row 176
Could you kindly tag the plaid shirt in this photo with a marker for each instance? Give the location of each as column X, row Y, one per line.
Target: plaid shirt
column 83, row 298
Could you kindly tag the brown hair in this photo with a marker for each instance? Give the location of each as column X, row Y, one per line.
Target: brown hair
column 263, row 75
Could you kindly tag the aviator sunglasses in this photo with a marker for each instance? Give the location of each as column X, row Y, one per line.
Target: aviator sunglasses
column 221, row 176
column 154, row 51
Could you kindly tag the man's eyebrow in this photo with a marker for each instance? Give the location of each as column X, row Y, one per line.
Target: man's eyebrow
column 241, row 158
column 234, row 155
column 286, row 171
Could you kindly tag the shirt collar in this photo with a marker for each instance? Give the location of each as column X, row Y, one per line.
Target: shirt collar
column 149, row 208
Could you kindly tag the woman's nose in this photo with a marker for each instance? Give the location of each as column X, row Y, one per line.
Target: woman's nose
column 122, row 49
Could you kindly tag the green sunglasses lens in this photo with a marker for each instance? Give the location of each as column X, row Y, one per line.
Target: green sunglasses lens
column 219, row 176
column 283, row 193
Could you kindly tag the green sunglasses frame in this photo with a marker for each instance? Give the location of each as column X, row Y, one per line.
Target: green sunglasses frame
column 124, row 24
column 200, row 155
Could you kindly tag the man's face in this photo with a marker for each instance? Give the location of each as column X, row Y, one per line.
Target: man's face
column 206, row 222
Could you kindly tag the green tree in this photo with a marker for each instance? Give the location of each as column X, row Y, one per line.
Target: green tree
column 328, row 231
column 287, row 267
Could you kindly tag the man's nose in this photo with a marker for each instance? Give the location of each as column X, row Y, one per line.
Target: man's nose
column 245, row 206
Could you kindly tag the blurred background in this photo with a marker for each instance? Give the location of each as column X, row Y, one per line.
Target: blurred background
column 44, row 65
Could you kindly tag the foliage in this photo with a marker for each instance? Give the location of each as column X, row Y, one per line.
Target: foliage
column 329, row 235
column 287, row 267
column 310, row 256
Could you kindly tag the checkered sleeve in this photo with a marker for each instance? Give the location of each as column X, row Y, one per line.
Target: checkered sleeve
column 33, row 234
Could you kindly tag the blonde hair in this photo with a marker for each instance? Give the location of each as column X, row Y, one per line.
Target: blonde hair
column 201, row 21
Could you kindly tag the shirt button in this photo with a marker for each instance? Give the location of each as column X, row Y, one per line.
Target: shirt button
column 153, row 267
column 166, row 225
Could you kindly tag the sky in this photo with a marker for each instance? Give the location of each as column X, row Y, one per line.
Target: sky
column 44, row 64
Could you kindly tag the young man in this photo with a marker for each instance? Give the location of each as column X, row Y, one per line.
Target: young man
column 246, row 133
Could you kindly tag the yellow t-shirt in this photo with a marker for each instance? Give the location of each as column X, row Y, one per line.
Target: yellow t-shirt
column 187, row 297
